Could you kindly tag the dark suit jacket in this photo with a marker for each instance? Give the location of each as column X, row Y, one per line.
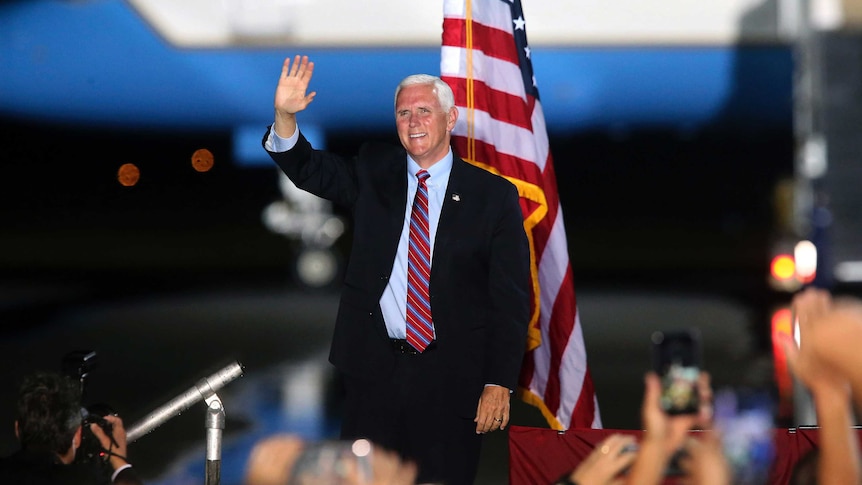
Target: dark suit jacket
column 45, row 468
column 480, row 272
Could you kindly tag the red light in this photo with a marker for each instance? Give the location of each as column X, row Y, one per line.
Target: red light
column 782, row 325
column 781, row 322
column 807, row 278
column 783, row 267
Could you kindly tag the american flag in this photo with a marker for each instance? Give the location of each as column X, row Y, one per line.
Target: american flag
column 485, row 58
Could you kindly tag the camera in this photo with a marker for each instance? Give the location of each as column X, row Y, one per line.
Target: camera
column 90, row 455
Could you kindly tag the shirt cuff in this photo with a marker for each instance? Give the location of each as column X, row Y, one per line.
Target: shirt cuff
column 498, row 385
column 118, row 470
column 275, row 143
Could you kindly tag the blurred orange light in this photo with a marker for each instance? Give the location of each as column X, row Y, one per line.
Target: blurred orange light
column 128, row 174
column 783, row 267
column 782, row 320
column 202, row 160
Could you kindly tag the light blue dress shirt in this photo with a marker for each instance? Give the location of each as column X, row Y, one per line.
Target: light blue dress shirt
column 393, row 303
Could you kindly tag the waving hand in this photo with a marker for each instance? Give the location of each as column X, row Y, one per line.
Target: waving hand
column 290, row 95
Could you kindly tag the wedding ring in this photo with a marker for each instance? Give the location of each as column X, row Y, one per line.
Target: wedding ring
column 498, row 420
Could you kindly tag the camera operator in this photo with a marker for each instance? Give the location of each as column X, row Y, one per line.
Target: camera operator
column 49, row 426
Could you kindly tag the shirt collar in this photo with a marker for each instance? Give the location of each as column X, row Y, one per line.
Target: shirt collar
column 439, row 172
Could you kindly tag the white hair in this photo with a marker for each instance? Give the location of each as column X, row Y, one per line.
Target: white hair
column 441, row 89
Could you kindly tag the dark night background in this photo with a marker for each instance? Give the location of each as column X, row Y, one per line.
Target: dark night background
column 676, row 210
column 665, row 218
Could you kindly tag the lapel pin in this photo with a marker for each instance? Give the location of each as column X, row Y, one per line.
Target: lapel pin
column 456, row 197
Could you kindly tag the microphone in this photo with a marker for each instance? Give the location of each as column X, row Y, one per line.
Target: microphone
column 204, row 388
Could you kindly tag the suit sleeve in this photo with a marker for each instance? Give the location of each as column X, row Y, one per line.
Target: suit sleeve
column 324, row 174
column 127, row 477
column 509, row 289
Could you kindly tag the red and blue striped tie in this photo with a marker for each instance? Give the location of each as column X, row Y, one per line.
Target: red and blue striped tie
column 420, row 329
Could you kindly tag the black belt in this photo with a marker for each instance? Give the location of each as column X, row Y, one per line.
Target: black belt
column 402, row 347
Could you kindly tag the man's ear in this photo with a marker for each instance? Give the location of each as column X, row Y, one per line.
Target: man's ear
column 17, row 433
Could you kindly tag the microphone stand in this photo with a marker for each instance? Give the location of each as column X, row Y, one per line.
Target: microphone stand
column 205, row 390
column 215, row 426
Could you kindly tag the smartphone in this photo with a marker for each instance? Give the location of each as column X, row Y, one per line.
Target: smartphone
column 677, row 361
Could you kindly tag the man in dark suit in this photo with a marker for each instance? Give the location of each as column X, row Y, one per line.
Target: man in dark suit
column 429, row 356
column 49, row 426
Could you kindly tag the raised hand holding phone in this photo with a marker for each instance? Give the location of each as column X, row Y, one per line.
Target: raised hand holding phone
column 677, row 361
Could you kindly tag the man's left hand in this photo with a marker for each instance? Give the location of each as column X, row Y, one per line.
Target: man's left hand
column 492, row 413
column 116, row 443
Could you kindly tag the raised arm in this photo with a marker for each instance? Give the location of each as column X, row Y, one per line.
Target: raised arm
column 664, row 435
column 290, row 95
column 820, row 363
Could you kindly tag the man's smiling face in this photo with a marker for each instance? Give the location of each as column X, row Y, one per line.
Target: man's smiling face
column 423, row 126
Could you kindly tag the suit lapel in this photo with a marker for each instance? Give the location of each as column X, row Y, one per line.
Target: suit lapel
column 394, row 193
column 449, row 213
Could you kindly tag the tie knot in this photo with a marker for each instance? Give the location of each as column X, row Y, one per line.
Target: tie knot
column 422, row 175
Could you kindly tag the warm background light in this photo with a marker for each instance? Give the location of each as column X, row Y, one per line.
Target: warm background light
column 805, row 256
column 782, row 327
column 202, row 160
column 128, row 174
column 783, row 267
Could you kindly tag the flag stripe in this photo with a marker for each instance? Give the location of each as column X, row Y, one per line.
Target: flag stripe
column 506, row 164
column 494, row 104
column 495, row 73
column 501, row 127
column 495, row 13
column 491, row 41
column 506, row 138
